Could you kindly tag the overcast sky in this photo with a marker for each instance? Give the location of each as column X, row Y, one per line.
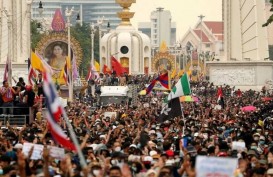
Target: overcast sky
column 184, row 12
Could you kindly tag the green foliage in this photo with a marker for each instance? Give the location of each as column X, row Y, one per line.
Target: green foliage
column 83, row 35
column 271, row 52
column 35, row 34
column 270, row 19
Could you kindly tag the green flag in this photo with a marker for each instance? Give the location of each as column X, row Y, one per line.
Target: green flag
column 182, row 87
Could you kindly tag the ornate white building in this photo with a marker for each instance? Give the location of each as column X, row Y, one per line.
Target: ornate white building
column 206, row 37
column 15, row 36
column 129, row 46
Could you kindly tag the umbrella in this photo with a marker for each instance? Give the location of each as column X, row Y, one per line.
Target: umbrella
column 248, row 108
column 189, row 99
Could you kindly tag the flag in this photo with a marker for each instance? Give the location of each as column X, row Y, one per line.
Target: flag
column 6, row 73
column 106, row 69
column 97, row 66
column 162, row 80
column 170, row 110
column 116, row 66
column 38, row 63
column 173, row 74
column 65, row 71
column 31, row 73
column 92, row 72
column 54, row 112
column 182, row 87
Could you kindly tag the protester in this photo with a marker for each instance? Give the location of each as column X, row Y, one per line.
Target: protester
column 133, row 142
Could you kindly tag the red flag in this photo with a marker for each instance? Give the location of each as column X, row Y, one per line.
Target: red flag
column 106, row 69
column 31, row 73
column 116, row 66
column 6, row 73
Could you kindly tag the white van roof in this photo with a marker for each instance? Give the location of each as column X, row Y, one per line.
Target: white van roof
column 114, row 91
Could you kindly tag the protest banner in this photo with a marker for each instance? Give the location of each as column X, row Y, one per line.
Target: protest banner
column 215, row 166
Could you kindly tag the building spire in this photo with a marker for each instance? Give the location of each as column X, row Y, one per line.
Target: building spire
column 125, row 15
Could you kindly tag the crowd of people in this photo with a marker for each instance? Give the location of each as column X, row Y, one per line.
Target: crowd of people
column 132, row 142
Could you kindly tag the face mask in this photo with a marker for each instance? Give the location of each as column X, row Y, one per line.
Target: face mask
column 96, row 172
column 253, row 165
column 134, row 169
column 256, row 138
column 266, row 133
column 1, row 172
column 261, row 142
column 114, row 162
column 253, row 147
column 117, row 149
column 177, row 160
column 241, row 129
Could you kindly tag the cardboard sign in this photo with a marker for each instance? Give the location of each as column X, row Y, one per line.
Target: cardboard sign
column 215, row 166
column 110, row 114
column 239, row 146
column 57, row 153
column 37, row 151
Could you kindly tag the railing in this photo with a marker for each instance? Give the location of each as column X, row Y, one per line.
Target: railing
column 20, row 116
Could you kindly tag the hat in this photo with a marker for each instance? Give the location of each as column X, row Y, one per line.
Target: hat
column 251, row 152
column 147, row 159
column 132, row 146
column 152, row 153
column 156, row 156
column 262, row 138
column 151, row 132
column 270, row 171
column 256, row 134
column 170, row 153
column 151, row 171
column 196, row 134
column 18, row 146
column 263, row 162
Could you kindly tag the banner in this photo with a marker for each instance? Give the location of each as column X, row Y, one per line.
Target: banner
column 215, row 166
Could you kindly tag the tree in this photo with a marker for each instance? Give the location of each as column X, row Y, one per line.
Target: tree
column 270, row 19
column 35, row 34
column 82, row 34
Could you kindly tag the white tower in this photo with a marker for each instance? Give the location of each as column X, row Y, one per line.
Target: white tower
column 130, row 47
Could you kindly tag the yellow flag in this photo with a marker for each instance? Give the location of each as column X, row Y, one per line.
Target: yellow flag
column 180, row 73
column 97, row 66
column 68, row 63
column 173, row 74
column 36, row 62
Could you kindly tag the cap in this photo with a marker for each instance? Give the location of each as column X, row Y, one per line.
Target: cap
column 152, row 153
column 18, row 146
column 147, row 159
column 132, row 146
column 196, row 134
column 262, row 138
column 170, row 153
column 151, row 132
column 256, row 134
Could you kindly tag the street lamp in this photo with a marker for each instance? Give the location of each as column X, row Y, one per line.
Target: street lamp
column 93, row 30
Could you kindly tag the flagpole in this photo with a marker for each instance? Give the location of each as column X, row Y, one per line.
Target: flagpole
column 74, row 139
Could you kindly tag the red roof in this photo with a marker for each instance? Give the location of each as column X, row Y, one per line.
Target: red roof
column 220, row 37
column 215, row 27
column 204, row 36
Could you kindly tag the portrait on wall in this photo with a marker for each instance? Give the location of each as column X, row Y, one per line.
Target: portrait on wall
column 163, row 64
column 56, row 54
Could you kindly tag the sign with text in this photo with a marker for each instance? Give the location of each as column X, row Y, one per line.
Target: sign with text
column 215, row 166
column 37, row 153
column 239, row 146
column 110, row 114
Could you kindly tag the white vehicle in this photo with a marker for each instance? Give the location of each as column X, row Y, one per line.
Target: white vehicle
column 114, row 94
